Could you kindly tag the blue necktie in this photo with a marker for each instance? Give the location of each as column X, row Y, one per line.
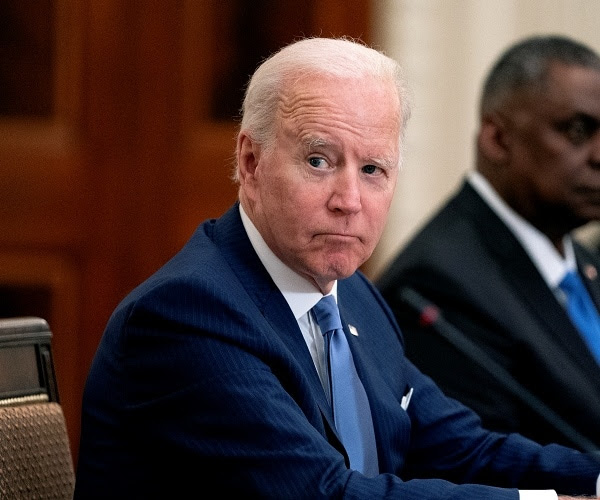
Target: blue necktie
column 351, row 410
column 582, row 310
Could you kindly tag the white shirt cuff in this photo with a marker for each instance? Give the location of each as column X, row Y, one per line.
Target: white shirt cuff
column 538, row 494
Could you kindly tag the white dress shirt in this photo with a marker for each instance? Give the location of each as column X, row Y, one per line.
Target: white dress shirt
column 302, row 295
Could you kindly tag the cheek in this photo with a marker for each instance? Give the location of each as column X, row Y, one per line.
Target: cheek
column 286, row 205
column 551, row 151
column 378, row 223
column 378, row 211
column 278, row 194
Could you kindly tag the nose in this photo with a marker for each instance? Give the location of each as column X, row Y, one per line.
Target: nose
column 346, row 195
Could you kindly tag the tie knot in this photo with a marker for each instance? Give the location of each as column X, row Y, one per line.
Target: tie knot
column 327, row 314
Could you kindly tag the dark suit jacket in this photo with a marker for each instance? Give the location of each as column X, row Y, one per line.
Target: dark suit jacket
column 203, row 383
column 469, row 264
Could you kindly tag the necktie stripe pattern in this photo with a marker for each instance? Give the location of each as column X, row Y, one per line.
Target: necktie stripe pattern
column 351, row 410
column 582, row 311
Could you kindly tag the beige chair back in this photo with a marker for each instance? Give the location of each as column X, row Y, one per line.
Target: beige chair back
column 35, row 457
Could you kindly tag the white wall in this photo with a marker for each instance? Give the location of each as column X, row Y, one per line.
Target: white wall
column 446, row 47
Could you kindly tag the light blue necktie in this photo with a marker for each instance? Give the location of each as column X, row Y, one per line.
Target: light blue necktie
column 582, row 310
column 351, row 410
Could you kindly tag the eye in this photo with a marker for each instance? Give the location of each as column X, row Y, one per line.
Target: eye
column 370, row 169
column 317, row 162
column 579, row 129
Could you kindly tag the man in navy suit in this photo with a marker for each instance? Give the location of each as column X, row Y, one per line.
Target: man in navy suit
column 492, row 258
column 211, row 378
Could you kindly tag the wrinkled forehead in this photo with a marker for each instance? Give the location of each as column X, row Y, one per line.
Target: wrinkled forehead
column 365, row 108
column 348, row 89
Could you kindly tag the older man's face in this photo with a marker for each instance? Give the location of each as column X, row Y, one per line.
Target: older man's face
column 320, row 198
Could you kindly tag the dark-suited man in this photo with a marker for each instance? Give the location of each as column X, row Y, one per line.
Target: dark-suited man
column 212, row 376
column 493, row 258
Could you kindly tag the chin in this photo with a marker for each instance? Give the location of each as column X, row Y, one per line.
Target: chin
column 344, row 269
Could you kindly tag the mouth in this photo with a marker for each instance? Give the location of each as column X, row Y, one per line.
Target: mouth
column 338, row 237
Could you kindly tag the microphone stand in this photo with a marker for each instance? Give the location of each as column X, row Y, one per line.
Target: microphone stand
column 429, row 315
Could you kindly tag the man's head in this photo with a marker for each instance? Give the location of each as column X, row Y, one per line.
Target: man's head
column 318, row 153
column 539, row 140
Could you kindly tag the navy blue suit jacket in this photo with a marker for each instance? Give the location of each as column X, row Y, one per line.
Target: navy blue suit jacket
column 203, row 383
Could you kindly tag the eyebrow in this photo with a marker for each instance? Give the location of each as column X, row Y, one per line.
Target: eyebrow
column 387, row 162
column 589, row 120
column 316, row 142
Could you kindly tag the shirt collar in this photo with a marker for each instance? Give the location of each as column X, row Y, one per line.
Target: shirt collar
column 551, row 265
column 300, row 294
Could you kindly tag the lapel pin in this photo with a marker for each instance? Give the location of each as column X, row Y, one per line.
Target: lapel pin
column 590, row 271
column 353, row 330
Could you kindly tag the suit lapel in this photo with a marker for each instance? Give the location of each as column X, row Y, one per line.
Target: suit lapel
column 239, row 253
column 522, row 276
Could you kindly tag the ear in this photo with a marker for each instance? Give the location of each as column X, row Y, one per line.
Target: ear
column 493, row 138
column 248, row 154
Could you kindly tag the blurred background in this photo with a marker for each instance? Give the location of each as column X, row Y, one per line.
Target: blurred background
column 118, row 117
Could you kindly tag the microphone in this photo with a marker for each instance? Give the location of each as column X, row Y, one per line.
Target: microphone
column 430, row 316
